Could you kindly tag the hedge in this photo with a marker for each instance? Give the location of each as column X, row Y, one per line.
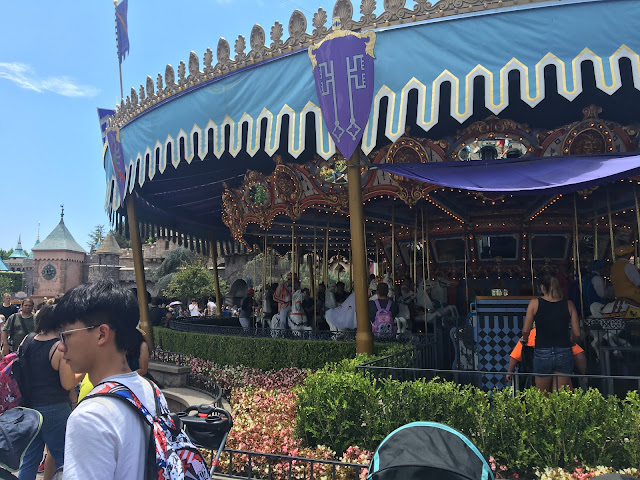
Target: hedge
column 262, row 353
column 338, row 407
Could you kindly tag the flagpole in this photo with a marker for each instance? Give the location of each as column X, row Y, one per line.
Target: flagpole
column 115, row 3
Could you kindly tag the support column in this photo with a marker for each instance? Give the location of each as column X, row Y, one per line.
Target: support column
column 364, row 337
column 138, row 265
column 216, row 281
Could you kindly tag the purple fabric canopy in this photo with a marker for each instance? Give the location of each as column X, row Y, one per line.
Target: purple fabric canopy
column 530, row 175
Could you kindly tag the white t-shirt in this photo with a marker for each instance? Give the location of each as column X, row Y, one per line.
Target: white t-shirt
column 106, row 439
column 212, row 308
column 193, row 308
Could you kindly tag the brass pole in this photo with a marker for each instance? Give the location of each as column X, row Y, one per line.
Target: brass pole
column 377, row 245
column 466, row 277
column 351, row 267
column 426, row 227
column 424, row 281
column 255, row 267
column 270, row 264
column 393, row 251
column 595, row 239
column 293, row 260
column 415, row 250
column 325, row 264
column 264, row 276
column 533, row 286
column 216, row 280
column 138, row 264
column 613, row 254
column 575, row 217
column 635, row 196
column 315, row 277
column 364, row 337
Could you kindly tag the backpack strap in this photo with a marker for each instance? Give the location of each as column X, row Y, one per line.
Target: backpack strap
column 123, row 393
column 377, row 305
column 388, row 309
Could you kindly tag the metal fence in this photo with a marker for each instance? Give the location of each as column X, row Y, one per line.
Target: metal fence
column 316, row 335
column 414, row 364
column 247, row 464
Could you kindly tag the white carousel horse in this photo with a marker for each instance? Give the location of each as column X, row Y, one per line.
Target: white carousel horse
column 330, row 297
column 425, row 302
column 297, row 317
column 616, row 311
column 342, row 317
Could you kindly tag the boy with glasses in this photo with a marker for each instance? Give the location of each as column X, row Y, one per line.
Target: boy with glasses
column 105, row 438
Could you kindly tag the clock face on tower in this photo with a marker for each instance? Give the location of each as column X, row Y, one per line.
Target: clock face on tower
column 48, row 272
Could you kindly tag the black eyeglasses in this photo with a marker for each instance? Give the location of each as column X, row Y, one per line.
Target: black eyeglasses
column 63, row 335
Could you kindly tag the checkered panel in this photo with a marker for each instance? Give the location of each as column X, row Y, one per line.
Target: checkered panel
column 497, row 331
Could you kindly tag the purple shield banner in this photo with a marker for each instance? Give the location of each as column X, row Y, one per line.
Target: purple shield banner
column 343, row 72
column 117, row 160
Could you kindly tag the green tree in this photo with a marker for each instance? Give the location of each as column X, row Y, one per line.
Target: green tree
column 194, row 281
column 123, row 241
column 96, row 236
column 4, row 254
column 10, row 282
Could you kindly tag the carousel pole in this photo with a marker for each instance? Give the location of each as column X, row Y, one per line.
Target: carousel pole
column 216, row 280
column 393, row 250
column 595, row 238
column 635, row 197
column 364, row 337
column 466, row 277
column 424, row 281
column 315, row 277
column 293, row 259
column 377, row 244
column 415, row 250
column 325, row 263
column 138, row 264
column 611, row 240
column 264, row 275
column 533, row 287
column 350, row 268
column 575, row 218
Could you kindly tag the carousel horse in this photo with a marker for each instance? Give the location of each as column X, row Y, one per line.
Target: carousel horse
column 297, row 317
column 427, row 303
column 330, row 297
column 614, row 312
column 343, row 316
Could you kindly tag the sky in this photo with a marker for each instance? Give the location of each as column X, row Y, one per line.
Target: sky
column 58, row 64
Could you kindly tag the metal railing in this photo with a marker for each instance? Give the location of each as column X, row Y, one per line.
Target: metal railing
column 315, row 335
column 398, row 367
column 164, row 356
column 248, row 464
column 207, row 386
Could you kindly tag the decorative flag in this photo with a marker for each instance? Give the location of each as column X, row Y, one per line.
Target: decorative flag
column 343, row 71
column 104, row 114
column 122, row 33
column 117, row 161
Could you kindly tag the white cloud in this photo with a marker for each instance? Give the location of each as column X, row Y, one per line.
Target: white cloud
column 25, row 77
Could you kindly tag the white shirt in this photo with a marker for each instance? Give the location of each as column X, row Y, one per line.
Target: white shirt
column 106, row 439
column 193, row 308
column 212, row 308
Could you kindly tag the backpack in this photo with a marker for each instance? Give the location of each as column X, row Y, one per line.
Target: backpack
column 15, row 385
column 171, row 454
column 383, row 322
column 9, row 390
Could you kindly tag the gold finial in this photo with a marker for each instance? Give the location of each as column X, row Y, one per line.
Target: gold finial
column 115, row 2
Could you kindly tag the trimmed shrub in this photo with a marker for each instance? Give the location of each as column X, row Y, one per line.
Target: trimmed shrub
column 338, row 407
column 262, row 353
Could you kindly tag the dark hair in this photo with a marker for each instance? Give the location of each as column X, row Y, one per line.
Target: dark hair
column 46, row 320
column 552, row 286
column 382, row 289
column 28, row 299
column 340, row 283
column 155, row 301
column 102, row 302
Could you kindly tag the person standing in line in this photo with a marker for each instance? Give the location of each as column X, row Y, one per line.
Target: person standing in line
column 18, row 326
column 553, row 316
column 212, row 309
column 50, row 379
column 193, row 308
column 106, row 439
column 246, row 309
column 283, row 297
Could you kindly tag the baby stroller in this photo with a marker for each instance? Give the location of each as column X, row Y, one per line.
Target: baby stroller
column 18, row 427
column 208, row 427
column 428, row 451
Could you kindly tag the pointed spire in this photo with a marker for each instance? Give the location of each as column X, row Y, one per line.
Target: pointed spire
column 19, row 246
column 62, row 213
column 38, row 237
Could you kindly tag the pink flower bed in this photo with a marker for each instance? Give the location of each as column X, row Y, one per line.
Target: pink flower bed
column 264, row 416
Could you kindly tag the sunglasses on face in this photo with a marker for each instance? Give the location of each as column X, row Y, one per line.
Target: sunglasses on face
column 63, row 335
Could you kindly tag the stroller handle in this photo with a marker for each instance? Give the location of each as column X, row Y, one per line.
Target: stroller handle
column 211, row 414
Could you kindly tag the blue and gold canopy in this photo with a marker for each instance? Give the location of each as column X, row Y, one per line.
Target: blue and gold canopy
column 437, row 67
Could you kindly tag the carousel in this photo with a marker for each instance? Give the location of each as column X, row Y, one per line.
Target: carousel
column 472, row 146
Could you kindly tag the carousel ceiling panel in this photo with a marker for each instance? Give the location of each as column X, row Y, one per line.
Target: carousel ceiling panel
column 246, row 110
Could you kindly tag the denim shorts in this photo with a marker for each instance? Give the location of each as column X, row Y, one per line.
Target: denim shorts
column 554, row 359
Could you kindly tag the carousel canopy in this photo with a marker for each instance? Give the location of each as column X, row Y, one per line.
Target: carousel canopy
column 523, row 175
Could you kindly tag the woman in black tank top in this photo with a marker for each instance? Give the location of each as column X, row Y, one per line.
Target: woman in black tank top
column 50, row 379
column 553, row 316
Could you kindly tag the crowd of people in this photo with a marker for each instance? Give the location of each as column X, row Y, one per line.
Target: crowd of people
column 88, row 338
